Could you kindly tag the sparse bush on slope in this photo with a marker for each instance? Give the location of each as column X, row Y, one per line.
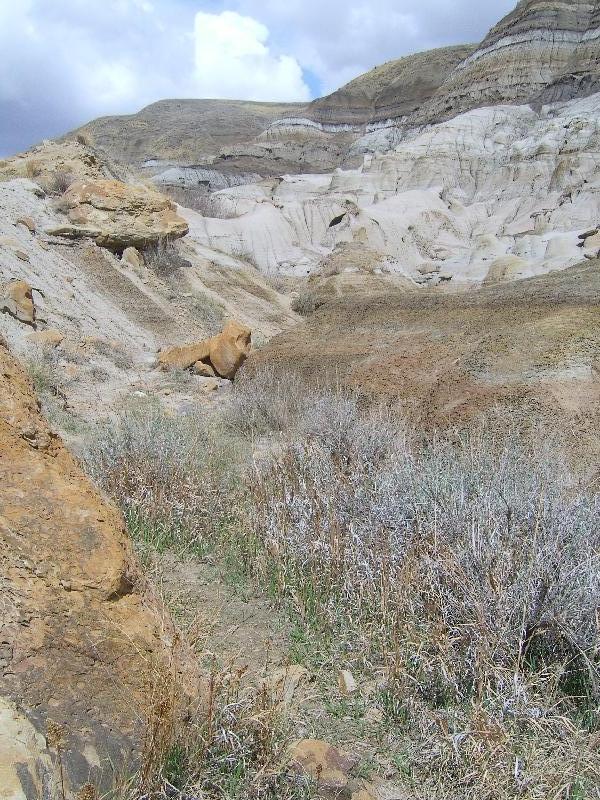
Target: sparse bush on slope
column 465, row 568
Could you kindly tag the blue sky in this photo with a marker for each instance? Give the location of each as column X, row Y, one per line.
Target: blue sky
column 65, row 62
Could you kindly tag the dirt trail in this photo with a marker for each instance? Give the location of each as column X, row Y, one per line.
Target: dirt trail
column 227, row 620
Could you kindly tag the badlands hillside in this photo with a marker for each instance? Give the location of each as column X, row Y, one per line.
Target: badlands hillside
column 257, row 538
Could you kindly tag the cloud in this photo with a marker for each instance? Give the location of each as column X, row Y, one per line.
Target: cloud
column 233, row 61
column 340, row 39
column 67, row 61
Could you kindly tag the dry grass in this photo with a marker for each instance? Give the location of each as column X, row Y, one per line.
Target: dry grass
column 464, row 569
column 33, row 169
column 172, row 476
column 463, row 572
column 231, row 748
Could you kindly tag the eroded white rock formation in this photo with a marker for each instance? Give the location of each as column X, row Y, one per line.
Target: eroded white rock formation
column 494, row 182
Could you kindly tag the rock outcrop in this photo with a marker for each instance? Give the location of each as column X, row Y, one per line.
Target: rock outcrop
column 545, row 51
column 80, row 647
column 50, row 161
column 221, row 355
column 16, row 298
column 117, row 215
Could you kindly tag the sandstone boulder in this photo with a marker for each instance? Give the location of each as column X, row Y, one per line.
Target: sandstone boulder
column 322, row 762
column 17, row 300
column 224, row 353
column 117, row 215
column 48, row 338
column 592, row 242
column 28, row 223
column 346, row 682
column 230, row 349
column 283, row 683
column 80, row 647
column 203, row 369
column 506, row 268
column 379, row 790
column 132, row 257
column 183, row 357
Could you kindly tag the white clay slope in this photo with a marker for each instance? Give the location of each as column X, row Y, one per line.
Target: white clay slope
column 493, row 183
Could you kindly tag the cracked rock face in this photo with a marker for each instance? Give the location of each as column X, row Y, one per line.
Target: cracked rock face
column 79, row 645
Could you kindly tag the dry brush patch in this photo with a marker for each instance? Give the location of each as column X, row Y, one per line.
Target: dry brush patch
column 465, row 569
column 461, row 571
column 173, row 477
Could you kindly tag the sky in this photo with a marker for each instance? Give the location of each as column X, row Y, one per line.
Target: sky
column 65, row 62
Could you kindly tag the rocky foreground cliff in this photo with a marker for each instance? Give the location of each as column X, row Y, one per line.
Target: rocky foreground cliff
column 83, row 642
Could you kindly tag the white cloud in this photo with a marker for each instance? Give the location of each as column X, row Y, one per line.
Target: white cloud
column 234, row 61
column 339, row 39
column 64, row 62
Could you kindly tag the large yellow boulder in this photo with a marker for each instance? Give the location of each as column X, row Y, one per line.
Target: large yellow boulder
column 117, row 215
column 224, row 353
column 230, row 349
column 322, row 762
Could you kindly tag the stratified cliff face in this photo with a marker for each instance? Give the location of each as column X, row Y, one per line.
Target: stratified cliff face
column 544, row 51
column 395, row 89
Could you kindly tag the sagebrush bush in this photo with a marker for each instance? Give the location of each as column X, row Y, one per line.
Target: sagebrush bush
column 202, row 200
column 164, row 258
column 57, row 183
column 172, row 476
column 305, row 304
column 269, row 402
column 473, row 546
column 43, row 367
column 463, row 570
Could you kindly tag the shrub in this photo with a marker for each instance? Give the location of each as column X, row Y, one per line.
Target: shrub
column 269, row 401
column 210, row 313
column 305, row 304
column 474, row 547
column 465, row 569
column 57, row 183
column 174, row 481
column 164, row 258
column 45, row 372
column 200, row 200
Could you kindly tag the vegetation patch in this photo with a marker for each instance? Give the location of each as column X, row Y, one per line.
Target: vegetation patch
column 457, row 576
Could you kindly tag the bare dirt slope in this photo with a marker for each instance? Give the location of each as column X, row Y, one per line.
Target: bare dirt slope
column 529, row 344
column 188, row 130
column 113, row 316
column 395, row 89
